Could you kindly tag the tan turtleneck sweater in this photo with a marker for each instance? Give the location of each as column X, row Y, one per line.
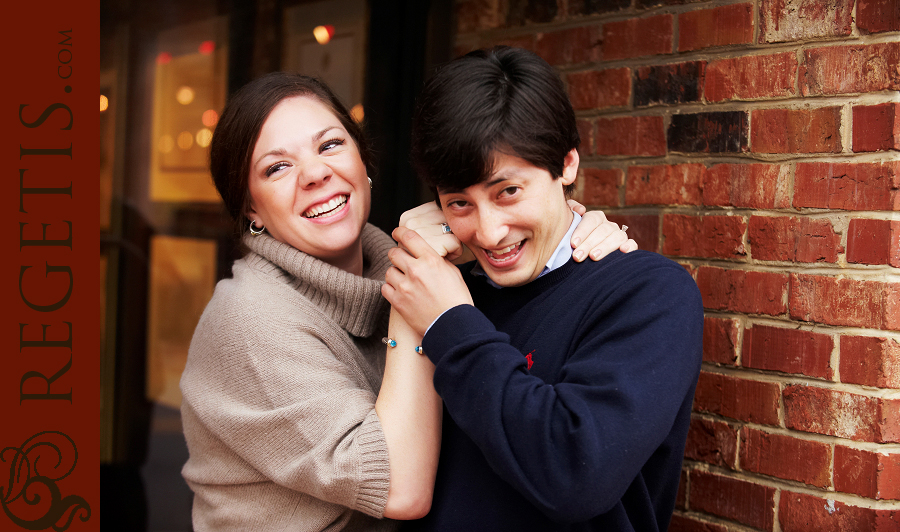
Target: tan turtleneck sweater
column 279, row 394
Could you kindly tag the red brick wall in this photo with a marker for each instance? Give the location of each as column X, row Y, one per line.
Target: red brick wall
column 756, row 143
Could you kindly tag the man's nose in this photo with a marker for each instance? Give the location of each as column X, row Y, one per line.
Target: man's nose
column 492, row 228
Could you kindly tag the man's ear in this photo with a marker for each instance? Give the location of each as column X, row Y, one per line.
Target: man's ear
column 570, row 168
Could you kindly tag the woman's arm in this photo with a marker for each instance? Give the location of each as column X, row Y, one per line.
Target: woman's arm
column 410, row 413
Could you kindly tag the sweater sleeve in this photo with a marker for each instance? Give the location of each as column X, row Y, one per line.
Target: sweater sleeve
column 279, row 399
column 572, row 448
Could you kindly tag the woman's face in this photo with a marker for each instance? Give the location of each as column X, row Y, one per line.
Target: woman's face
column 308, row 184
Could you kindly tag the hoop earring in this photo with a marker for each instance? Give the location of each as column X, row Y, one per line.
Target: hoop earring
column 370, row 181
column 254, row 231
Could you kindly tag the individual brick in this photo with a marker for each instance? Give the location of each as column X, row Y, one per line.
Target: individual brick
column 870, row 361
column 876, row 127
column 601, row 186
column 642, row 228
column 720, row 340
column 637, row 37
column 738, row 500
column 669, row 84
column 836, row 413
column 793, row 20
column 477, row 15
column 796, row 130
column 750, row 77
column 848, row 186
column 664, row 184
column 712, row 442
column 736, row 398
column 794, row 239
column 833, row 301
column 599, row 89
column 799, row 512
column 569, row 46
column 521, row 12
column 596, row 7
column 866, row 473
column 876, row 16
column 586, row 134
column 874, row 242
column 716, row 132
column 850, row 69
column 642, row 136
column 719, row 26
column 786, row 457
column 689, row 523
column 743, row 291
column 757, row 186
column 788, row 350
column 704, row 236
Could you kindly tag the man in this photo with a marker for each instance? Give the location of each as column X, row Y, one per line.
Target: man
column 567, row 387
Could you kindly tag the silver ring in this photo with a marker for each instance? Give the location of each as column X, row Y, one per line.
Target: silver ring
column 624, row 228
column 445, row 229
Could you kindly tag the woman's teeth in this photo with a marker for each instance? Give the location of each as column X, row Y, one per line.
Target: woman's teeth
column 325, row 209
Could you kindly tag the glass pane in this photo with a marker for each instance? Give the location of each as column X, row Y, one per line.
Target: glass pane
column 182, row 279
column 188, row 96
column 339, row 59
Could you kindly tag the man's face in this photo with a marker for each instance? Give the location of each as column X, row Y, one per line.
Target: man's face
column 513, row 220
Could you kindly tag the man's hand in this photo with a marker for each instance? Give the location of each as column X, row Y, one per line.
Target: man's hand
column 596, row 236
column 421, row 285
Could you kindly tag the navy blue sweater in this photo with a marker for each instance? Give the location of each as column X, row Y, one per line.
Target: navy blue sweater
column 567, row 400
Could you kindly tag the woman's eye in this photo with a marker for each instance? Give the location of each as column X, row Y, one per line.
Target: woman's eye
column 275, row 168
column 330, row 144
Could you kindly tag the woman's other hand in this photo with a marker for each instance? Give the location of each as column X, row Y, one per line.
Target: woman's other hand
column 596, row 236
column 427, row 220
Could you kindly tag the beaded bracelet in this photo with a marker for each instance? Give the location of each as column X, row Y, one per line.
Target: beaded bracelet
column 390, row 342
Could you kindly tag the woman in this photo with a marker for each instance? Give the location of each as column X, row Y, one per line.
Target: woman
column 295, row 413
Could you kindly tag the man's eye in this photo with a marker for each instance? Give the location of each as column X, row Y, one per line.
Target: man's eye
column 457, row 204
column 276, row 167
column 509, row 191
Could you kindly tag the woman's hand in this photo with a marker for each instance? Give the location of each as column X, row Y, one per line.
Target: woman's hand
column 596, row 236
column 421, row 285
column 426, row 219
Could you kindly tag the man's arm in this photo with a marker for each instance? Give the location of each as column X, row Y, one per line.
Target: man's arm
column 572, row 448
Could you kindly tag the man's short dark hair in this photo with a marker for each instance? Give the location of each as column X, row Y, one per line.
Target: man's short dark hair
column 505, row 100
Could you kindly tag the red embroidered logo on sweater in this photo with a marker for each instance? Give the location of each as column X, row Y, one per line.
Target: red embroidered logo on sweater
column 528, row 358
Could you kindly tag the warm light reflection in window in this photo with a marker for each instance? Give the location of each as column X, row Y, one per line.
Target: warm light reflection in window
column 323, row 34
column 209, row 118
column 185, row 95
column 204, row 137
column 166, row 144
column 207, row 47
column 104, row 103
column 164, row 58
column 358, row 113
column 185, row 140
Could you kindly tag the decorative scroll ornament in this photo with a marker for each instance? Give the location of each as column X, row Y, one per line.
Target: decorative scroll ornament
column 31, row 498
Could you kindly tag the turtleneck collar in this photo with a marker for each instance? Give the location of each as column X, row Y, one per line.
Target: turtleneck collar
column 353, row 302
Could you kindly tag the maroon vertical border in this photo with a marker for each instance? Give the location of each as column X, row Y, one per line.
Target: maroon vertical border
column 49, row 273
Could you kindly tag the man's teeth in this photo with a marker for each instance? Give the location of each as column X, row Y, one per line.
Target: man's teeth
column 504, row 251
column 325, row 208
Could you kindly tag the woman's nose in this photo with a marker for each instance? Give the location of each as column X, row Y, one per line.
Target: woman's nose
column 313, row 173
